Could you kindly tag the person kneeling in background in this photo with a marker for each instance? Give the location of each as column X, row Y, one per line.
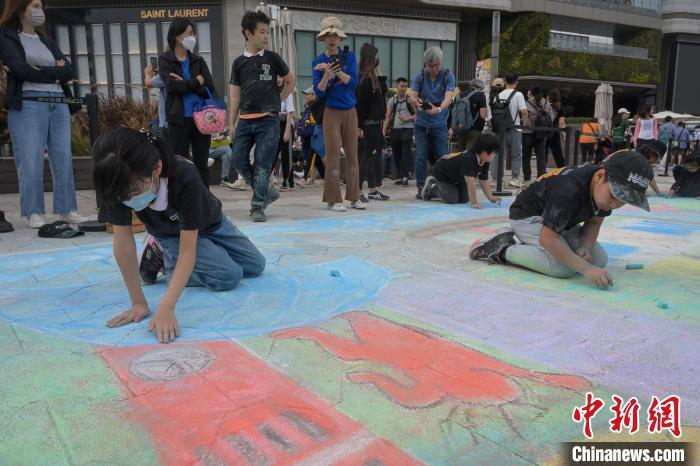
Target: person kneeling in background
column 454, row 175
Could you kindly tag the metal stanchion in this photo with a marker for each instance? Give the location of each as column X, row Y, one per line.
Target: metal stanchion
column 577, row 135
column 567, row 145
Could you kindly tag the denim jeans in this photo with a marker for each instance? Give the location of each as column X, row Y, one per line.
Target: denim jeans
column 34, row 128
column 431, row 144
column 223, row 258
column 223, row 153
column 264, row 133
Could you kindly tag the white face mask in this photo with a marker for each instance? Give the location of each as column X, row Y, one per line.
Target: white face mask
column 189, row 43
column 35, row 16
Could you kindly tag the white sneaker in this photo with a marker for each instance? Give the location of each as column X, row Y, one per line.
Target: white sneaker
column 299, row 175
column 359, row 205
column 239, row 185
column 515, row 183
column 210, row 162
column 74, row 217
column 227, row 184
column 36, row 221
column 336, row 207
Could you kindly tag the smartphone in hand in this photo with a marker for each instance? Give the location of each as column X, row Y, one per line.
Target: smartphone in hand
column 426, row 106
column 154, row 64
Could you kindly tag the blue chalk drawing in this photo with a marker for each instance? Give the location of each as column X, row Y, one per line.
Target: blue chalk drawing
column 72, row 293
column 664, row 228
column 616, row 250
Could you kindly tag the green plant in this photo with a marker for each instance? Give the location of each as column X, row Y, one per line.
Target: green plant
column 524, row 48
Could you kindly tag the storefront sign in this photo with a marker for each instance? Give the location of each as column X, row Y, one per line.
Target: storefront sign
column 368, row 25
column 175, row 13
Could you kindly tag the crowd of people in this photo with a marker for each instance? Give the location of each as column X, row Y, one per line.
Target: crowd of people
column 161, row 174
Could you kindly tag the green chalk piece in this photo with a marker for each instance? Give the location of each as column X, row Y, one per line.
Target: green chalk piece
column 634, row 266
column 663, row 304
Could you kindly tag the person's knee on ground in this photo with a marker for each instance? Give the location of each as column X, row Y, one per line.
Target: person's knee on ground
column 221, row 280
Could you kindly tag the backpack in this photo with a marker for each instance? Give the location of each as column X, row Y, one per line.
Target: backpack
column 501, row 117
column 461, row 113
column 542, row 119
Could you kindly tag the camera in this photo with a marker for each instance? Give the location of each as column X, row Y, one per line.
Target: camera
column 426, row 106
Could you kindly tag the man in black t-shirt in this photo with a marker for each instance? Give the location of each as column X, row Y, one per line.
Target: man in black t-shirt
column 547, row 218
column 477, row 105
column 253, row 90
column 454, row 175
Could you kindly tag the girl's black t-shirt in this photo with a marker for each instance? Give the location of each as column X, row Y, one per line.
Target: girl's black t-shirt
column 191, row 206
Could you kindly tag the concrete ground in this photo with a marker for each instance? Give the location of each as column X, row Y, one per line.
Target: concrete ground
column 370, row 339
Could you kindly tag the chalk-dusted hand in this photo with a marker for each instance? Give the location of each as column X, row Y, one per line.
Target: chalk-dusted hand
column 137, row 313
column 476, row 205
column 165, row 325
column 599, row 277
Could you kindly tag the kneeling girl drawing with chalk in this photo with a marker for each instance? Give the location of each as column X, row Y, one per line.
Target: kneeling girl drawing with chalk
column 190, row 240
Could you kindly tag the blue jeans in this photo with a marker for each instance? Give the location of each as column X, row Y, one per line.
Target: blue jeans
column 264, row 133
column 431, row 144
column 224, row 257
column 34, row 128
column 224, row 153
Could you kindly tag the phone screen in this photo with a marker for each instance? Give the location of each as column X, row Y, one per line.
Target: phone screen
column 154, row 63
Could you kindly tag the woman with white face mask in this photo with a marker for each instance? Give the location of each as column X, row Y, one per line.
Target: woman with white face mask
column 186, row 76
column 36, row 68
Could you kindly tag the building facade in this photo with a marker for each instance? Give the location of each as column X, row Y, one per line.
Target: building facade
column 644, row 48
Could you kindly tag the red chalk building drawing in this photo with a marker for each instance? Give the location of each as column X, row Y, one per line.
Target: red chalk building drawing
column 216, row 404
column 429, row 368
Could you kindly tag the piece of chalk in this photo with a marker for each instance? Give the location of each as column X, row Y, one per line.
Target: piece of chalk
column 634, row 266
column 663, row 304
column 335, row 273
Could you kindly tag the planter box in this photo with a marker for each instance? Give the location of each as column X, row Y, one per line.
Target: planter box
column 82, row 174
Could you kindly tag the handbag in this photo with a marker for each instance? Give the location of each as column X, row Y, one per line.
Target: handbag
column 210, row 114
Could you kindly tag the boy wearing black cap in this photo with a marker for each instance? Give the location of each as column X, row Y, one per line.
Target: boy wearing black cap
column 546, row 217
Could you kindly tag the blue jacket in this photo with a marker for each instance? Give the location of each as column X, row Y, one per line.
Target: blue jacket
column 340, row 96
column 682, row 135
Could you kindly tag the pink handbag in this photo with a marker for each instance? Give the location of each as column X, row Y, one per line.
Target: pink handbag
column 210, row 115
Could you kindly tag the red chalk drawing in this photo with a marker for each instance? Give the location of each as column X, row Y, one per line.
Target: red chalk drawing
column 430, row 368
column 216, row 404
column 587, row 412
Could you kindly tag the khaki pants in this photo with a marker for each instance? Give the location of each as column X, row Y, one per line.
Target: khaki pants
column 340, row 126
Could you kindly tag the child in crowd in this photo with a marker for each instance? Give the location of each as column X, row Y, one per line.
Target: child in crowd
column 191, row 240
column 687, row 177
column 547, row 216
column 220, row 148
column 454, row 175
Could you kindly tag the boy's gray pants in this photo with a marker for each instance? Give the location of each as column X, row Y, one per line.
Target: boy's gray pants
column 531, row 255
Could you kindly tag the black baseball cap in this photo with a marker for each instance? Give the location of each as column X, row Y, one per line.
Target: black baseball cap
column 58, row 229
column 654, row 146
column 629, row 175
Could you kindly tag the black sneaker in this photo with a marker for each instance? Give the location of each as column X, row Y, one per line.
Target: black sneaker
column 490, row 248
column 378, row 196
column 429, row 191
column 419, row 194
column 363, row 198
column 5, row 226
column 258, row 215
column 151, row 261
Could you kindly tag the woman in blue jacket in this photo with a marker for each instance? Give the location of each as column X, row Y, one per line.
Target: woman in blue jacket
column 36, row 68
column 335, row 81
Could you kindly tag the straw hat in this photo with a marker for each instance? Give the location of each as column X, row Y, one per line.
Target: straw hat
column 331, row 25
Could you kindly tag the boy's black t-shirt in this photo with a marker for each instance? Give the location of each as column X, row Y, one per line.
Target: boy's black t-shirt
column 454, row 167
column 562, row 198
column 191, row 206
column 257, row 77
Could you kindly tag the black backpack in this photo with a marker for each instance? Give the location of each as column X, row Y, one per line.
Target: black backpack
column 501, row 117
column 542, row 119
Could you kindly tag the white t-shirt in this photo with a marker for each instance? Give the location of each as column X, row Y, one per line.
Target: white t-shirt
column 646, row 129
column 517, row 103
column 288, row 104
